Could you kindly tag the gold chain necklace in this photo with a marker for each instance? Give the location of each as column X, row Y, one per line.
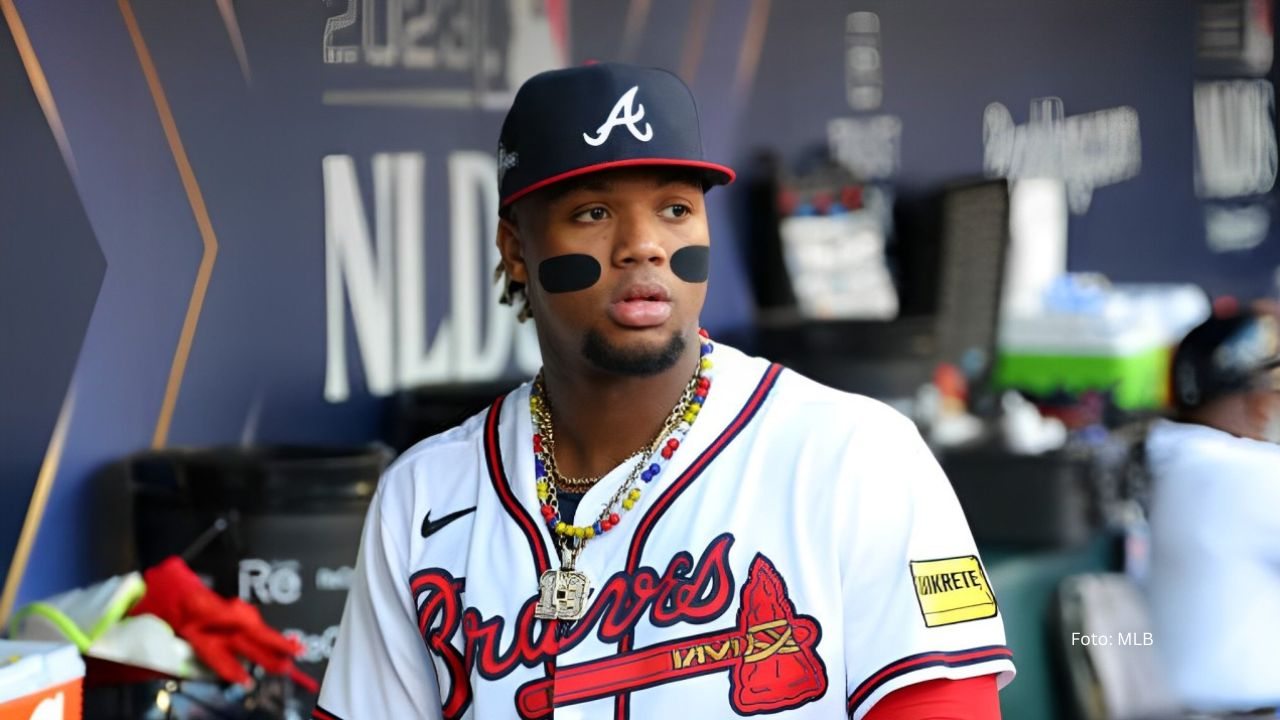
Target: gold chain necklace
column 565, row 483
column 563, row 593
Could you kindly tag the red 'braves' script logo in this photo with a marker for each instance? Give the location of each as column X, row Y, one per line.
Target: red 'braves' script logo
column 769, row 653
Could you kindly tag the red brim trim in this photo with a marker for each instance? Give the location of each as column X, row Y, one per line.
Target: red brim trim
column 728, row 173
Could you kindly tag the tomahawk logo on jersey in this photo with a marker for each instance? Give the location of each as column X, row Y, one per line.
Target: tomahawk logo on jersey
column 803, row 556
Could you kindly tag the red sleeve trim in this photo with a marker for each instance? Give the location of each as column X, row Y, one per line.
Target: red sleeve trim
column 973, row 698
column 320, row 713
column 952, row 659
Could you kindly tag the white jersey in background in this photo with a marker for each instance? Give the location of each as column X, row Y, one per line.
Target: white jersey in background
column 803, row 556
column 1214, row 583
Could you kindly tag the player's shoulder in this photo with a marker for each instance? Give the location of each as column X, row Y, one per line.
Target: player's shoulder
column 822, row 409
column 803, row 413
column 449, row 460
column 1196, row 454
column 457, row 438
column 809, row 408
column 869, row 454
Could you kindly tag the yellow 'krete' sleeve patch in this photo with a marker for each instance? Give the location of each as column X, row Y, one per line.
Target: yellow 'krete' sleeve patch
column 952, row 590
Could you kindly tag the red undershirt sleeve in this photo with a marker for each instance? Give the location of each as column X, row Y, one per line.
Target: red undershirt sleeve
column 969, row 699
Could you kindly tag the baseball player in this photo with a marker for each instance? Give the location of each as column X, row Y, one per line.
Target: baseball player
column 1214, row 584
column 656, row 525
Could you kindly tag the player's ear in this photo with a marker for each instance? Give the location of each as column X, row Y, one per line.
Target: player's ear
column 509, row 246
column 1256, row 406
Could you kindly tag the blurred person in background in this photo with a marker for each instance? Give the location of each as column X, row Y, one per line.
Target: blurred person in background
column 1215, row 515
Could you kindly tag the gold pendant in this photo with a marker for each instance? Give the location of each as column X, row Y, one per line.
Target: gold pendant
column 563, row 593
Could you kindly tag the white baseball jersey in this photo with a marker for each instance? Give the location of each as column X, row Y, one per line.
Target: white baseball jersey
column 802, row 556
column 1214, row 584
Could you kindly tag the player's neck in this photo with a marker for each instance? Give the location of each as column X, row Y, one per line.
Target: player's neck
column 600, row 420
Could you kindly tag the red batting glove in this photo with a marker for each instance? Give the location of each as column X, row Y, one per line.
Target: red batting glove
column 223, row 633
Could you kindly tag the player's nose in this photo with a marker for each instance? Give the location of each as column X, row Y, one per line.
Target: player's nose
column 638, row 240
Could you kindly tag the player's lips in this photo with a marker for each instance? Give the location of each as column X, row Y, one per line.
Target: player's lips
column 641, row 305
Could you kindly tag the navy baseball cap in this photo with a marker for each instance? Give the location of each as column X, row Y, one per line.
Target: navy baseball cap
column 1226, row 355
column 580, row 120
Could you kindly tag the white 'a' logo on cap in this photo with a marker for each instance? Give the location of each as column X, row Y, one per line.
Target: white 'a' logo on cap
column 625, row 112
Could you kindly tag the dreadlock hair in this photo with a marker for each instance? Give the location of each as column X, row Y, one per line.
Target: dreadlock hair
column 512, row 292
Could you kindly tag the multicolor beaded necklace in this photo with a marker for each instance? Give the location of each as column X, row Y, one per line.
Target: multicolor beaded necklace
column 563, row 592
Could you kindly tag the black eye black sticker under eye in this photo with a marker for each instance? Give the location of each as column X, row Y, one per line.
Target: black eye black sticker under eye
column 568, row 273
column 692, row 264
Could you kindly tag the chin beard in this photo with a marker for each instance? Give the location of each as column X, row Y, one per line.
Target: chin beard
column 632, row 362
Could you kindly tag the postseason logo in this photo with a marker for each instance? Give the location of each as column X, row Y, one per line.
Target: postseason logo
column 452, row 59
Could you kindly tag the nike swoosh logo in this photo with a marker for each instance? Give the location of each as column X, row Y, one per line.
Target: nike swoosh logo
column 430, row 528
